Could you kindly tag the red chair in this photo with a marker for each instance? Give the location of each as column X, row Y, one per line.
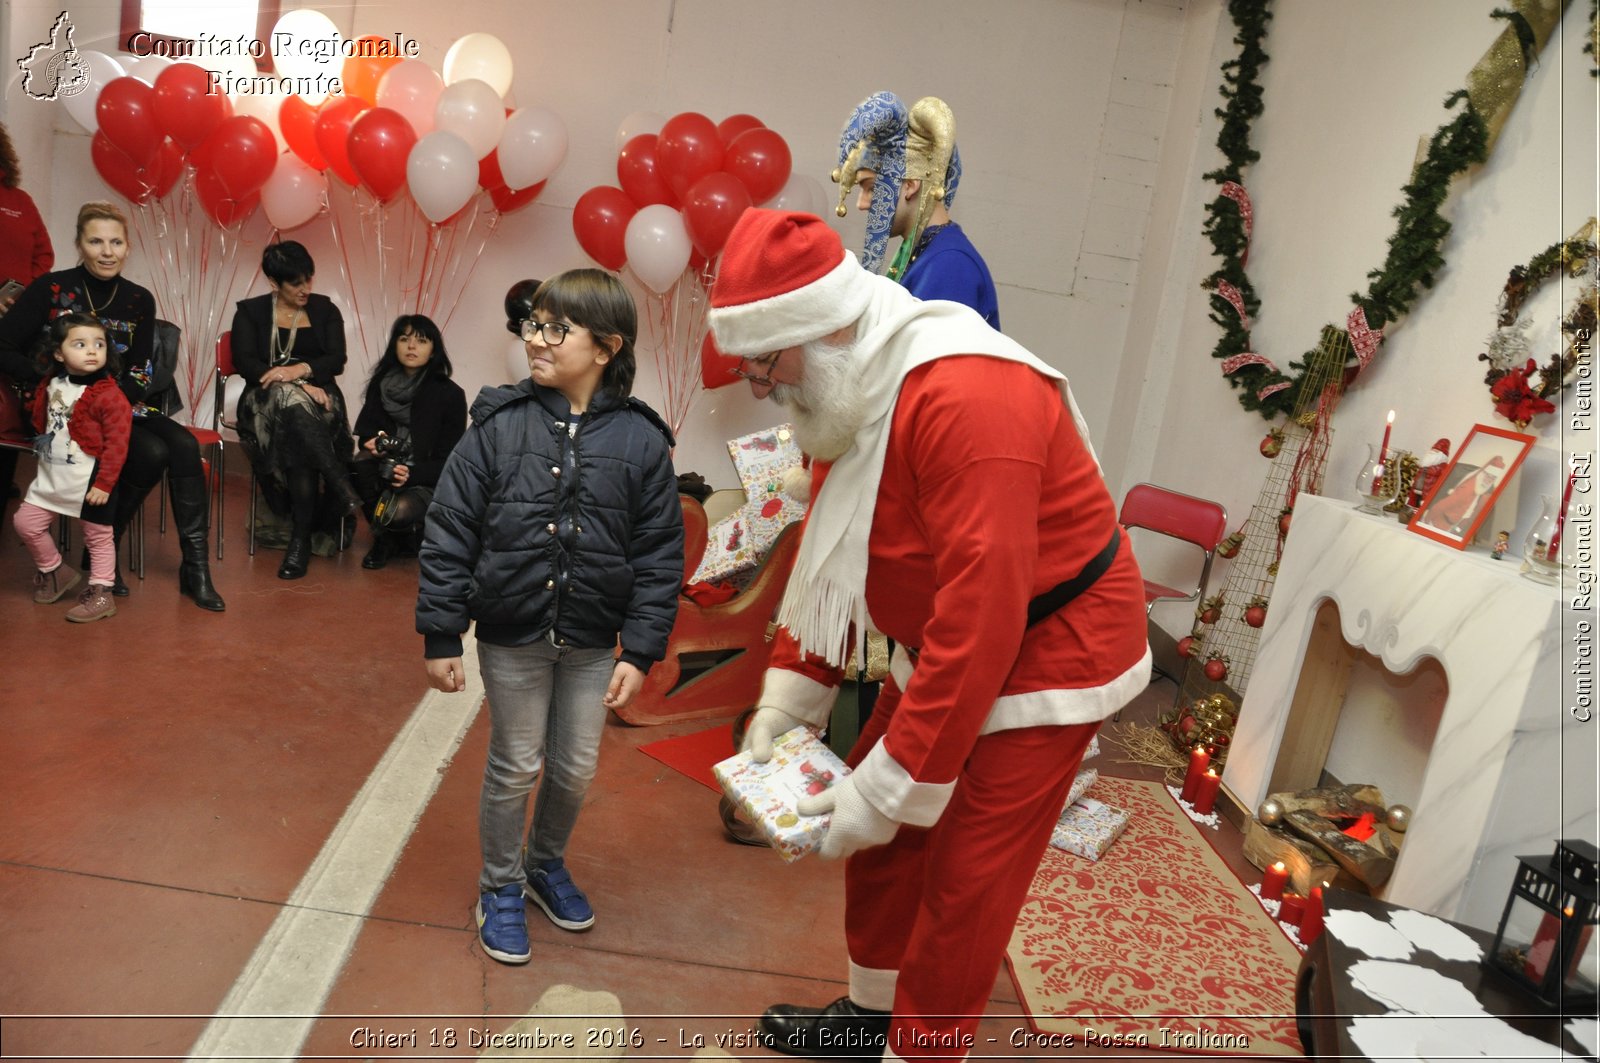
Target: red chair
column 1197, row 521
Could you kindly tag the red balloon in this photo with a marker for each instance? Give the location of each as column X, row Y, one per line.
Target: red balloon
column 729, row 128
column 185, row 110
column 600, row 222
column 298, row 120
column 505, row 201
column 333, row 135
column 221, row 206
column 686, row 150
column 127, row 116
column 241, row 152
column 759, row 158
column 489, row 175
column 716, row 368
column 711, row 208
column 119, row 171
column 639, row 173
column 380, row 141
column 166, row 168
column 361, row 72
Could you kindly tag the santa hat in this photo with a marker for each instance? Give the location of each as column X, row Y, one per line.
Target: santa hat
column 785, row 279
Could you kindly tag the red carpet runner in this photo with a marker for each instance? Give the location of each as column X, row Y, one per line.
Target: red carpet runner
column 1158, row 940
column 693, row 754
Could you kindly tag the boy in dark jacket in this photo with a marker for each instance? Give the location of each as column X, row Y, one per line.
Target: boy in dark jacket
column 556, row 529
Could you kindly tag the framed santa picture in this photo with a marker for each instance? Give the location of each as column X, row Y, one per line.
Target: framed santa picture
column 1476, row 478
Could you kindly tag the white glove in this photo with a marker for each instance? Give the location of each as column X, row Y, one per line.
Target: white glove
column 768, row 723
column 856, row 824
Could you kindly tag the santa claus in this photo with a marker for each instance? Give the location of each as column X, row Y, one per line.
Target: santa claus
column 964, row 516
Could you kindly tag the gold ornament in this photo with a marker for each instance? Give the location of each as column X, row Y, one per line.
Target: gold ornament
column 1398, row 818
column 1270, row 813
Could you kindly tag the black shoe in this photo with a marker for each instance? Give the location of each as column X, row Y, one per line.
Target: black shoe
column 119, row 589
column 842, row 1030
column 382, row 550
column 295, row 558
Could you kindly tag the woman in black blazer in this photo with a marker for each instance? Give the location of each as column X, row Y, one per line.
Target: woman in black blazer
column 289, row 347
column 412, row 417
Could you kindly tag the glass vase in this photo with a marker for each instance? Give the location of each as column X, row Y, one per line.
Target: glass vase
column 1371, row 480
column 1544, row 547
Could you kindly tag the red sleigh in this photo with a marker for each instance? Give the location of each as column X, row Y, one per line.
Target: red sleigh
column 717, row 653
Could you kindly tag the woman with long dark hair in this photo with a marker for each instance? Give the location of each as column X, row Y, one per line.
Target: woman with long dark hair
column 412, row 417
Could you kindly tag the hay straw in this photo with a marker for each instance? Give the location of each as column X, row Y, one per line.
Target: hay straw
column 1148, row 746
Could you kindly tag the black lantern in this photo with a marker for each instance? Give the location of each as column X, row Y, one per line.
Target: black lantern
column 1546, row 939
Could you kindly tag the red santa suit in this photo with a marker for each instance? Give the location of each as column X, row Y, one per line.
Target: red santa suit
column 981, row 493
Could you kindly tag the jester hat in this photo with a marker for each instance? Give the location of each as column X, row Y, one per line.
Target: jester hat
column 898, row 145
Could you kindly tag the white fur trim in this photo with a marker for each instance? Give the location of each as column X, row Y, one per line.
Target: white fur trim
column 797, row 483
column 1043, row 708
column 799, row 695
column 892, row 791
column 819, row 309
column 872, row 987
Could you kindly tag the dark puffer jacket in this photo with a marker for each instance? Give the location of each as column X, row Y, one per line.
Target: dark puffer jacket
column 533, row 529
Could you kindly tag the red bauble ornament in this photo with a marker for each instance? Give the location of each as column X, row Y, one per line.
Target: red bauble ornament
column 1189, row 646
column 1216, row 668
column 1210, row 610
column 1255, row 614
column 1272, row 443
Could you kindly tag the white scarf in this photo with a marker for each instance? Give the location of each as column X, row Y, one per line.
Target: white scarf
column 897, row 333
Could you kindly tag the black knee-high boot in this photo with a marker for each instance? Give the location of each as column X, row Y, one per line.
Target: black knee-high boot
column 190, row 510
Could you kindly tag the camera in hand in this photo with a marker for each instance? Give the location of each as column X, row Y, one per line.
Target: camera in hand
column 392, row 451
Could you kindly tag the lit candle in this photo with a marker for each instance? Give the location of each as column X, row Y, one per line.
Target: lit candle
column 1311, row 919
column 1273, row 880
column 1561, row 514
column 1292, row 908
column 1198, row 760
column 1383, row 451
column 1205, row 792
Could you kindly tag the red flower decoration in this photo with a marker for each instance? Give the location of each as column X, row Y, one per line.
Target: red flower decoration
column 1515, row 400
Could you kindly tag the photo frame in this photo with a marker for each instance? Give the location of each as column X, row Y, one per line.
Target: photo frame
column 1472, row 483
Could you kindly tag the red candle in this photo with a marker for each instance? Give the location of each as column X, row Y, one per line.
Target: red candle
column 1198, row 760
column 1205, row 791
column 1293, row 907
column 1311, row 920
column 1561, row 515
column 1273, row 880
column 1383, row 451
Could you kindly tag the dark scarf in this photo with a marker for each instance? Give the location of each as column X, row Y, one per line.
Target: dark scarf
column 398, row 390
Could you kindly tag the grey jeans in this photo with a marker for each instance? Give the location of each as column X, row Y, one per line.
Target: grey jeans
column 546, row 716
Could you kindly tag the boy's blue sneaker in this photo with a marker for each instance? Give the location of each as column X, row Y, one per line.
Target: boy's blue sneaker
column 503, row 924
column 550, row 886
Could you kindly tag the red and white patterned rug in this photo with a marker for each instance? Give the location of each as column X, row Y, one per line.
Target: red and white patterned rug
column 1158, row 944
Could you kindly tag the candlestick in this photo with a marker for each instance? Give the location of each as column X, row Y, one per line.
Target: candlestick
column 1292, row 909
column 1311, row 919
column 1205, row 792
column 1383, row 451
column 1198, row 760
column 1561, row 514
column 1273, row 880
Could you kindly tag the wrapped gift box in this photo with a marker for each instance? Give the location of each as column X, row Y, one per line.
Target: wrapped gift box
column 1088, row 827
column 738, row 543
column 1086, row 778
column 801, row 766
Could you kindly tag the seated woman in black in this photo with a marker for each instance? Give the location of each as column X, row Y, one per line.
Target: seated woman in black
column 289, row 347
column 413, row 416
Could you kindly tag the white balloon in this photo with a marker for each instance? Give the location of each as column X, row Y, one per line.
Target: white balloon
column 517, row 361
column 658, row 246
column 144, row 67
column 825, row 206
column 412, row 88
column 472, row 110
column 480, row 56
column 294, row 194
column 311, row 37
column 533, row 145
column 80, row 105
column 637, row 123
column 442, row 173
column 796, row 195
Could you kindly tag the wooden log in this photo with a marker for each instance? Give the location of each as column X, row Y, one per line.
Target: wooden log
column 1367, row 863
column 1334, row 802
column 1308, row 865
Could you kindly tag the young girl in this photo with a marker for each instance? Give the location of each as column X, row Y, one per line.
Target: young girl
column 83, row 421
column 412, row 401
column 556, row 528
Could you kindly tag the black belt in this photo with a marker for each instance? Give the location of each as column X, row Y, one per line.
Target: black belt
column 1054, row 599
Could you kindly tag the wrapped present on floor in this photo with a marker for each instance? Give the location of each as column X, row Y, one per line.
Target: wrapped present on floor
column 1088, row 827
column 1086, row 778
column 738, row 543
column 801, row 766
column 1093, row 750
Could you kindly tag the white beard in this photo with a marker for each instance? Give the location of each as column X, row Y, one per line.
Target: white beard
column 826, row 406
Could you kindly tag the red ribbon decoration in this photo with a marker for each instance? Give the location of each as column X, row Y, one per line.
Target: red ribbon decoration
column 1363, row 337
column 1239, row 361
column 1235, row 191
column 1235, row 299
column 1271, row 389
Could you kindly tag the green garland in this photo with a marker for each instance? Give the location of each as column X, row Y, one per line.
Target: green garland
column 1594, row 38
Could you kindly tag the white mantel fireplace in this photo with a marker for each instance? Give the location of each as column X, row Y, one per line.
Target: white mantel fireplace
column 1509, row 770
